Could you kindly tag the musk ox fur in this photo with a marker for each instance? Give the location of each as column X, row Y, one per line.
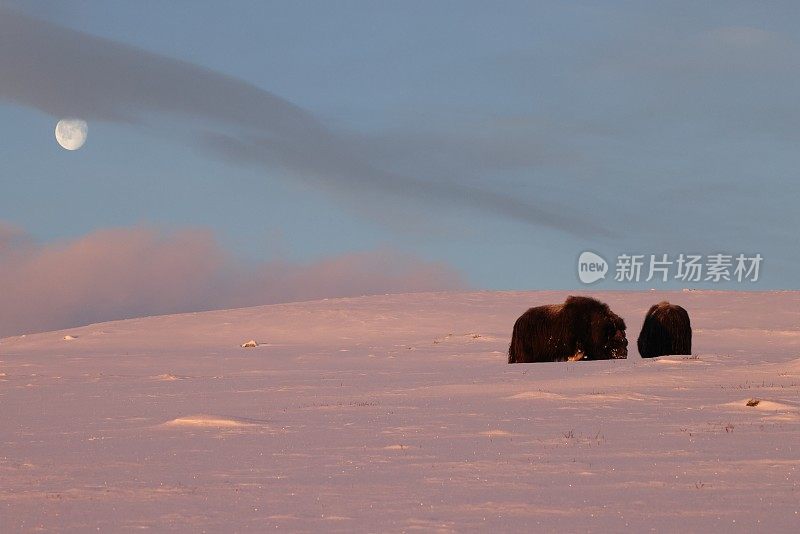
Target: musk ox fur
column 666, row 330
column 581, row 328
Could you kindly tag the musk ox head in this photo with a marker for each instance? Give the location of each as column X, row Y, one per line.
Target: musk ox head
column 617, row 339
column 666, row 330
column 606, row 329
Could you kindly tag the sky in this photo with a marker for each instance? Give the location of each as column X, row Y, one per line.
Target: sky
column 413, row 145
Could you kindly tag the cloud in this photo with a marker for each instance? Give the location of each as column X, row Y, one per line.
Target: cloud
column 64, row 72
column 129, row 272
column 372, row 183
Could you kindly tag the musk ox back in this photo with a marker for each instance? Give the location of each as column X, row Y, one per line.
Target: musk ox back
column 580, row 329
column 666, row 330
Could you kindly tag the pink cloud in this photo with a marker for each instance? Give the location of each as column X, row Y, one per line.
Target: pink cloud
column 129, row 272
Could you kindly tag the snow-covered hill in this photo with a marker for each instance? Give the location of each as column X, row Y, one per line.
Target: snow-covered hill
column 398, row 412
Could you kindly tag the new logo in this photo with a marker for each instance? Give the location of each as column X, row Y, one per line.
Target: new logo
column 591, row 267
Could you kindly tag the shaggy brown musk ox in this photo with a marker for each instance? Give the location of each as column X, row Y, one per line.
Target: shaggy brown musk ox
column 582, row 328
column 666, row 330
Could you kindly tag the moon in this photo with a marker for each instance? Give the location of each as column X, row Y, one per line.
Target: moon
column 71, row 133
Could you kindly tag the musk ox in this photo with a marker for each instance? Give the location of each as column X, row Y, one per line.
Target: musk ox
column 580, row 329
column 666, row 330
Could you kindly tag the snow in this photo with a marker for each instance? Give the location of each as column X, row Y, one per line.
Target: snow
column 398, row 412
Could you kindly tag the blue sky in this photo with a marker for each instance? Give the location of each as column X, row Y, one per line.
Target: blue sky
column 500, row 139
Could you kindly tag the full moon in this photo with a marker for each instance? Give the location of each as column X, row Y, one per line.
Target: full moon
column 71, row 133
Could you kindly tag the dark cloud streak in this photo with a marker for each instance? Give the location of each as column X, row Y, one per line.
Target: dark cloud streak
column 66, row 72
column 359, row 175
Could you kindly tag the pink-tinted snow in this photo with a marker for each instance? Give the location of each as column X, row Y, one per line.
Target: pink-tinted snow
column 400, row 413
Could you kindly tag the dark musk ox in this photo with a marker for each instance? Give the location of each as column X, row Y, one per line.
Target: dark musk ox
column 580, row 329
column 666, row 330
